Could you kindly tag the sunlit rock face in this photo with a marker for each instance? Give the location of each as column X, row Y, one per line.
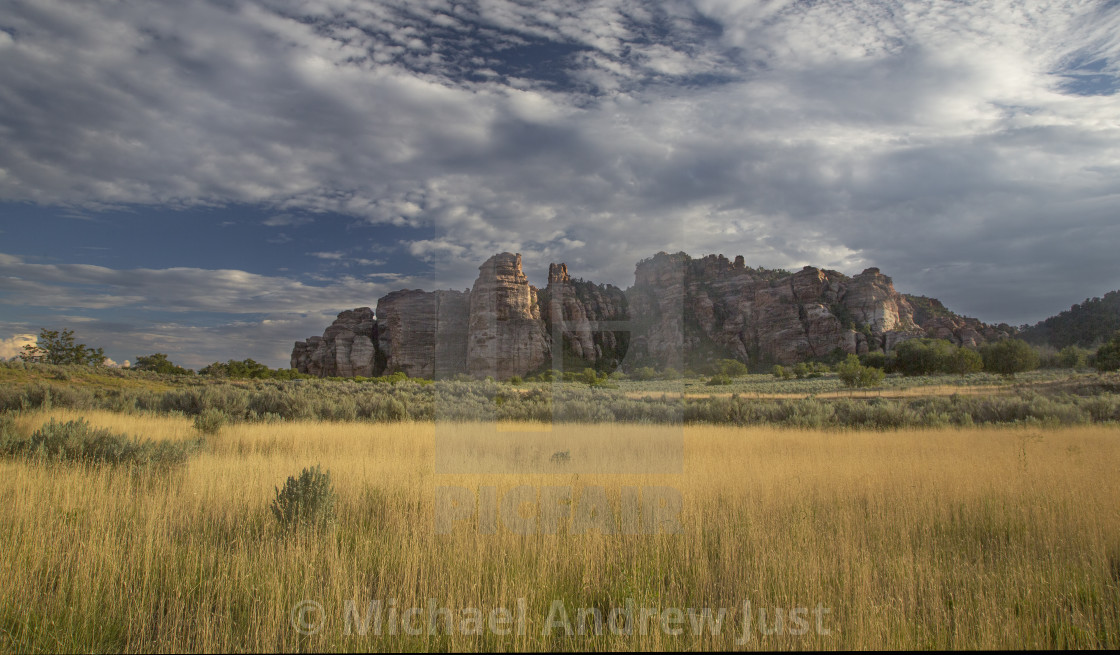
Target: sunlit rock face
column 506, row 335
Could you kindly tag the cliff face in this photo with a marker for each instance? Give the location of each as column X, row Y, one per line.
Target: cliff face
column 423, row 333
column 346, row 348
column 578, row 315
column 681, row 312
column 710, row 308
column 506, row 335
column 938, row 322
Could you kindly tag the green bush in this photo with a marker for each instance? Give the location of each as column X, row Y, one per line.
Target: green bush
column 718, row 380
column 781, row 372
column 731, row 368
column 1009, row 356
column 78, row 442
column 853, row 374
column 964, row 361
column 1108, row 355
column 210, row 421
column 306, row 501
column 1073, row 357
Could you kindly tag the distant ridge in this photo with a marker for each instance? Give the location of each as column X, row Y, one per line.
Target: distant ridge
column 1087, row 324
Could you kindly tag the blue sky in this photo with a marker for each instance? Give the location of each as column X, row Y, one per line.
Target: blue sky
column 215, row 180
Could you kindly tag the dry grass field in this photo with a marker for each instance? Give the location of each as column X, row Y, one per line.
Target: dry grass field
column 977, row 538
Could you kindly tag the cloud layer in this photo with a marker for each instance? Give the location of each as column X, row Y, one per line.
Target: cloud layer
column 968, row 149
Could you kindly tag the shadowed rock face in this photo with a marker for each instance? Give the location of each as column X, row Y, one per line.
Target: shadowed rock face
column 346, row 349
column 696, row 310
column 423, row 333
column 681, row 312
column 575, row 312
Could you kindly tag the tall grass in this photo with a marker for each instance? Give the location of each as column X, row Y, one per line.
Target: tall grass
column 949, row 538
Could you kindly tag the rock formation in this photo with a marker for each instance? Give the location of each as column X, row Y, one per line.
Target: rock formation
column 579, row 315
column 506, row 335
column 940, row 323
column 711, row 308
column 681, row 312
column 346, row 349
column 423, row 333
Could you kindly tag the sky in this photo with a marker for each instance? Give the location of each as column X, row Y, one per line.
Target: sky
column 217, row 179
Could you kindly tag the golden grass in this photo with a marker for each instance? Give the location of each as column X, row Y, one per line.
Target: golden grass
column 978, row 538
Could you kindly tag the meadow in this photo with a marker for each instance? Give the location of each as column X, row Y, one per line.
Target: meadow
column 1000, row 536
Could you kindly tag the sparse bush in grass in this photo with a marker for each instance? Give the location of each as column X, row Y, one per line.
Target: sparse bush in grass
column 210, row 421
column 670, row 373
column 718, row 379
column 305, row 502
column 78, row 442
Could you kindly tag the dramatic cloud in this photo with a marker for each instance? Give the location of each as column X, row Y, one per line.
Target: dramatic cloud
column 967, row 149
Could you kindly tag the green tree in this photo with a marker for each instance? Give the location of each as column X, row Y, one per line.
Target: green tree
column 965, row 361
column 158, row 363
column 1108, row 355
column 55, row 347
column 923, row 356
column 853, row 374
column 247, row 368
column 732, row 368
column 1009, row 356
column 1073, row 357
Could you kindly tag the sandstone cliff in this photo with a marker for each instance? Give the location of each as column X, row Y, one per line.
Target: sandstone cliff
column 940, row 323
column 346, row 348
column 586, row 319
column 423, row 333
column 681, row 312
column 506, row 335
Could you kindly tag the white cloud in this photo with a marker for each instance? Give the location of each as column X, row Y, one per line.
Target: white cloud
column 910, row 135
column 13, row 346
column 175, row 290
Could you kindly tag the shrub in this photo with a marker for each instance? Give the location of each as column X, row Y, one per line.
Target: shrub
column 964, row 361
column 874, row 359
column 923, row 356
column 306, row 501
column 78, row 442
column 1073, row 357
column 1009, row 356
column 731, row 368
column 718, row 380
column 853, row 374
column 210, row 421
column 1108, row 355
column 670, row 373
